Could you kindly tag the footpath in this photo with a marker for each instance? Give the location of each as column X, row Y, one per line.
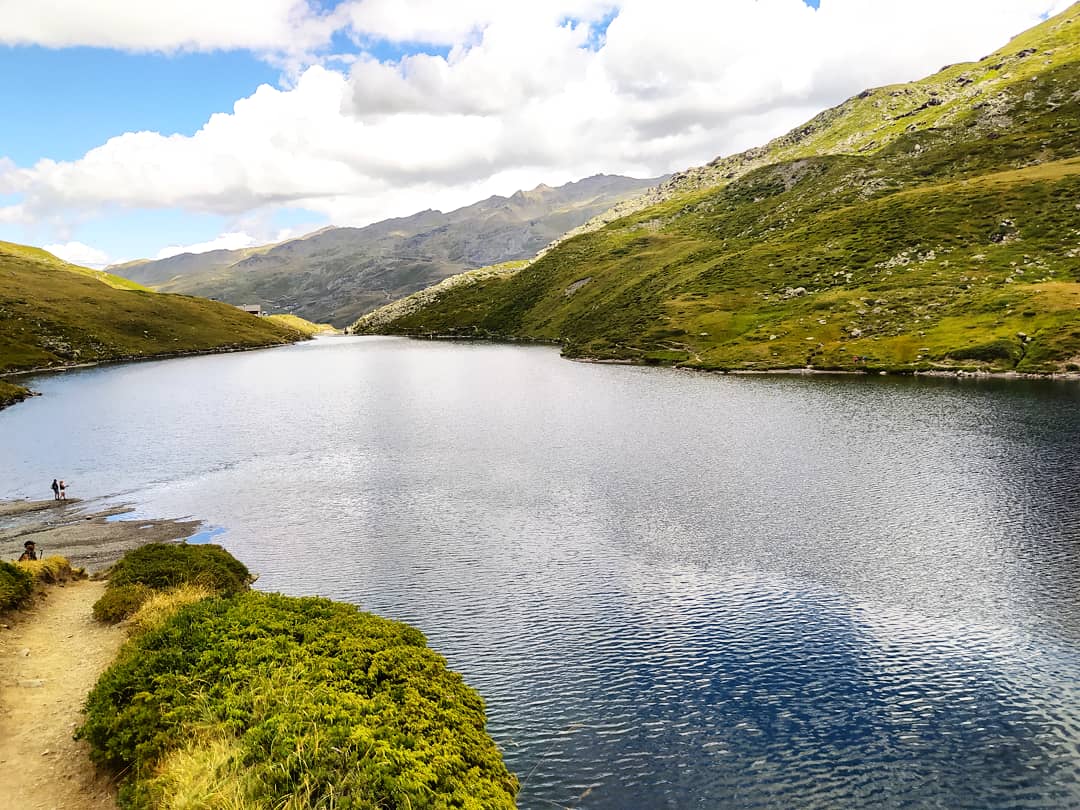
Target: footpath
column 51, row 654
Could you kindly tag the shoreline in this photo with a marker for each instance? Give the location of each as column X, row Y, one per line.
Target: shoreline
column 939, row 373
column 139, row 358
column 93, row 539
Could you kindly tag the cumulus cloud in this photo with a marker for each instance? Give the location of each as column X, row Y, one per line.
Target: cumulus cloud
column 525, row 93
column 14, row 214
column 167, row 25
column 78, row 253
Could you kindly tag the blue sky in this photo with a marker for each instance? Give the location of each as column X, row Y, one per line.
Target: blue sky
column 382, row 107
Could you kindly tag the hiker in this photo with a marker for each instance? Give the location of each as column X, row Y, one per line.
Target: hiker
column 29, row 551
column 55, row 490
column 63, row 490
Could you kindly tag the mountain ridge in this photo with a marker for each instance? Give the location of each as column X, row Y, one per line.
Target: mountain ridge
column 336, row 274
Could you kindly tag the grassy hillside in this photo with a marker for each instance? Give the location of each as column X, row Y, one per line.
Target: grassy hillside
column 337, row 274
column 930, row 225
column 53, row 314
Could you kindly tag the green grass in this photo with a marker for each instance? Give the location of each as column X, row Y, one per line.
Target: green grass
column 298, row 324
column 950, row 242
column 10, row 393
column 228, row 698
column 55, row 314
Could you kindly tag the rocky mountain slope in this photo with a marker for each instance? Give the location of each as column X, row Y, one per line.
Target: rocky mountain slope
column 337, row 274
column 53, row 314
column 928, row 225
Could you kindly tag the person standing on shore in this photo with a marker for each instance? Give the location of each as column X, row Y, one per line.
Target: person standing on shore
column 29, row 551
column 63, row 490
column 55, row 490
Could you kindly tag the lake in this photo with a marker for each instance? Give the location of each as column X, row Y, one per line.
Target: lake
column 674, row 590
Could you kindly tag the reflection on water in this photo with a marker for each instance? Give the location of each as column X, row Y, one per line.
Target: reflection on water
column 674, row 590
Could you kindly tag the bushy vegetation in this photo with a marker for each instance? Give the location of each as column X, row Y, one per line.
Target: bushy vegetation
column 260, row 701
column 116, row 604
column 16, row 585
column 925, row 226
column 17, row 580
column 53, row 313
column 166, row 565
column 163, row 567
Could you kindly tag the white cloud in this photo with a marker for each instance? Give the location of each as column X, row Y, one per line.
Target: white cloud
column 167, row 25
column 226, row 241
column 78, row 253
column 440, row 23
column 14, row 214
column 528, row 93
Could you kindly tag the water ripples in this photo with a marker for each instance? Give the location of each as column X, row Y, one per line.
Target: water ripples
column 673, row 590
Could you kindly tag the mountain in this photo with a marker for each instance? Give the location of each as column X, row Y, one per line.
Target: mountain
column 931, row 225
column 54, row 314
column 337, row 274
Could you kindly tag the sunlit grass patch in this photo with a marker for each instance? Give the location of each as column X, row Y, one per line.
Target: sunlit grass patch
column 298, row 324
column 159, row 606
column 52, row 570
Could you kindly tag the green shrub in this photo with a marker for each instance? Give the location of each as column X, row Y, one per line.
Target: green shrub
column 297, row 702
column 162, row 566
column 16, row 585
column 116, row 604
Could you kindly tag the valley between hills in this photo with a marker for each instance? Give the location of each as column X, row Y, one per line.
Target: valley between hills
column 927, row 227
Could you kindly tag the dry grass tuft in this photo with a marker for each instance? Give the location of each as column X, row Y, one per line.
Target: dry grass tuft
column 208, row 772
column 156, row 610
column 54, row 570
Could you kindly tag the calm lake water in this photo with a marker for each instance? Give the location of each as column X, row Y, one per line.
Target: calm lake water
column 674, row 590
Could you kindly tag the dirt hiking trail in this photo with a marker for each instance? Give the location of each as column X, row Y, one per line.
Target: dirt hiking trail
column 50, row 658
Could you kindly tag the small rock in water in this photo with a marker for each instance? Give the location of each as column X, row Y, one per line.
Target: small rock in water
column 24, row 652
